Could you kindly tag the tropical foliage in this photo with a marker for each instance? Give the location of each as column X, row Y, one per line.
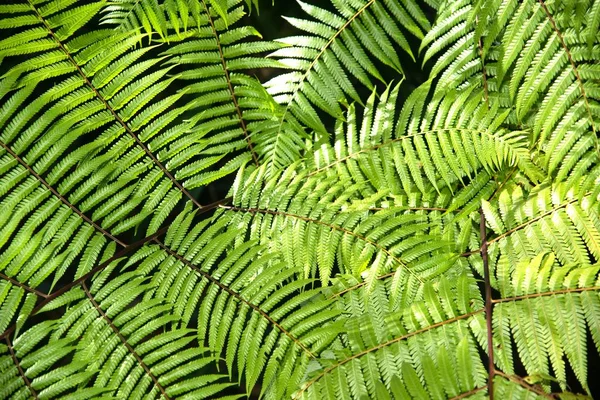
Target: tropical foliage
column 385, row 235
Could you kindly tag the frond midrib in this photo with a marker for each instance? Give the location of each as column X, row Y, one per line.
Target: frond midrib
column 437, row 325
column 312, row 65
column 236, row 295
column 113, row 112
column 405, row 137
column 123, row 340
column 385, row 344
column 23, row 286
column 331, row 226
column 20, row 369
column 60, row 197
column 100, row 267
column 230, row 85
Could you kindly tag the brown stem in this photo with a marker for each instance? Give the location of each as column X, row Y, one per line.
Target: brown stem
column 382, row 345
column 334, row 227
column 520, row 381
column 130, row 248
column 551, row 293
column 469, row 393
column 488, row 305
column 18, row 364
column 124, row 341
column 470, row 253
column 111, row 110
column 229, row 84
column 23, row 286
column 499, row 187
column 60, row 197
column 235, row 294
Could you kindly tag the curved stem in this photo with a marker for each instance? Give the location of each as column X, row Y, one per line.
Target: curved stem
column 314, row 63
column 400, row 139
column 531, row 221
column 520, row 381
column 469, row 393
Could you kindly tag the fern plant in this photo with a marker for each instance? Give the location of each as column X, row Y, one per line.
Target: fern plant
column 386, row 234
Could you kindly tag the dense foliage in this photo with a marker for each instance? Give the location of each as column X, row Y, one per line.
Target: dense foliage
column 412, row 207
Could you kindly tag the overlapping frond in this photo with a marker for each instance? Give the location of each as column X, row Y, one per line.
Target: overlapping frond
column 320, row 227
column 228, row 104
column 545, row 312
column 568, row 224
column 55, row 213
column 388, row 254
column 454, row 145
column 108, row 343
column 349, row 211
column 332, row 59
column 243, row 301
column 159, row 16
column 388, row 355
column 537, row 59
column 65, row 204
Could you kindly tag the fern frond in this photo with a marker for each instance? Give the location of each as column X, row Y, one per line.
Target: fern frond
column 158, row 16
column 332, row 213
column 549, row 219
column 514, row 387
column 23, row 368
column 149, row 15
column 334, row 52
column 383, row 354
column 115, row 345
column 433, row 149
column 15, row 303
column 534, row 60
column 227, row 102
column 549, row 309
column 249, row 308
column 345, row 262
column 309, row 221
column 66, row 206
